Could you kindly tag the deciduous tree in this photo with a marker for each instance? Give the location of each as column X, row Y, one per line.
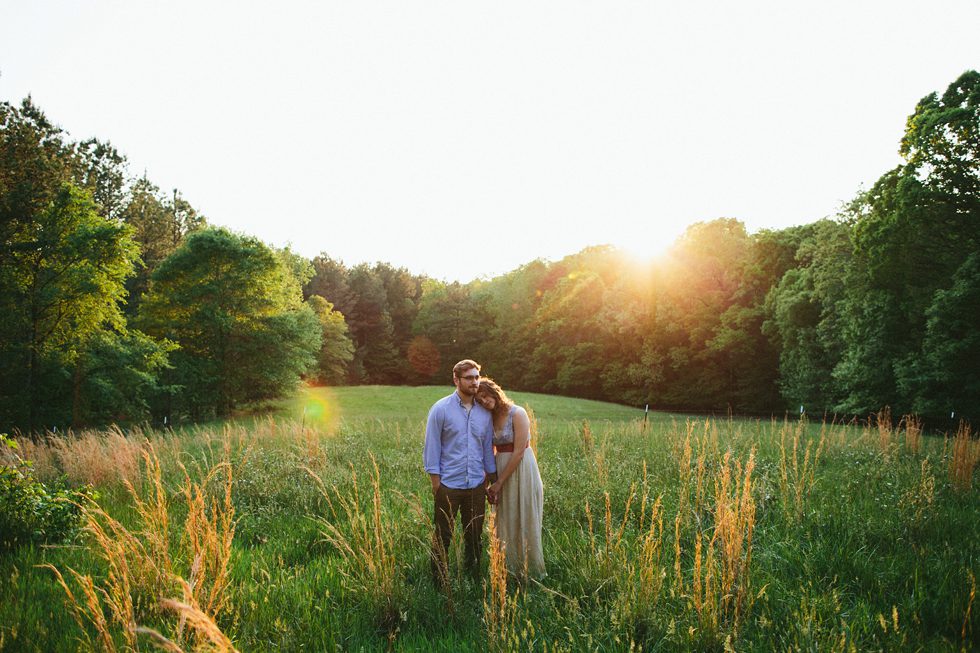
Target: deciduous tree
column 235, row 310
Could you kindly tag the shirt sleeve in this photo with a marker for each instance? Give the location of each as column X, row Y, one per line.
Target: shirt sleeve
column 432, row 449
column 489, row 463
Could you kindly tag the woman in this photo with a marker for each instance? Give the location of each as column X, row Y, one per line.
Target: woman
column 518, row 492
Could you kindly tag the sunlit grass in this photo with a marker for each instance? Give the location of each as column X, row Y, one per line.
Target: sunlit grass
column 309, row 529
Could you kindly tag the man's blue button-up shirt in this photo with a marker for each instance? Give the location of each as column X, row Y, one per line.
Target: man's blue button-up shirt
column 459, row 443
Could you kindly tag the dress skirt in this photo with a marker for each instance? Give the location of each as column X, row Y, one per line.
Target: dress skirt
column 519, row 512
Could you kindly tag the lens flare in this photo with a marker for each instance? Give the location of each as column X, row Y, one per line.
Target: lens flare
column 320, row 409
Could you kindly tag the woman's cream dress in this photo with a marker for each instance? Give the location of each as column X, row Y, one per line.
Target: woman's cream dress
column 519, row 508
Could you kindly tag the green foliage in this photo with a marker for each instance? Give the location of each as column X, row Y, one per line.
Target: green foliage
column 912, row 232
column 117, row 378
column 944, row 379
column 379, row 304
column 840, row 316
column 942, row 142
column 336, row 350
column 101, row 170
column 453, row 323
column 372, row 329
column 30, row 511
column 67, row 256
column 235, row 310
column 160, row 224
column 63, row 282
column 804, row 316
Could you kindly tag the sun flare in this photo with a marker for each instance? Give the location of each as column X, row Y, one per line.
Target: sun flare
column 320, row 408
column 649, row 245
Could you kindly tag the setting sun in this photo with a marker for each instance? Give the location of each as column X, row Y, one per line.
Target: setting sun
column 649, row 242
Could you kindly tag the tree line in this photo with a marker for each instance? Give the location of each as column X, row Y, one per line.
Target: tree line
column 122, row 303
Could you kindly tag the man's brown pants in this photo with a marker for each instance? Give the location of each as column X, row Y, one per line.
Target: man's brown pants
column 471, row 506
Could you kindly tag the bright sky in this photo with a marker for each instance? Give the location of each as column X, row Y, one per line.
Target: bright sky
column 463, row 139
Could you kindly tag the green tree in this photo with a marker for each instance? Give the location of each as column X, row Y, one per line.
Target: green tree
column 571, row 340
column 117, row 378
column 160, row 225
column 506, row 340
column 235, row 310
column 62, row 282
column 702, row 282
column 376, row 358
column 102, row 171
column 35, row 163
column 403, row 292
column 331, row 280
column 453, row 323
column 912, row 232
column 337, row 349
column 944, row 380
column 804, row 313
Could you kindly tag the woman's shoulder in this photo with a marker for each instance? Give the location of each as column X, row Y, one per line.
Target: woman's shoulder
column 518, row 412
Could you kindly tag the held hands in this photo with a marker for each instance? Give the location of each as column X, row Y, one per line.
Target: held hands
column 493, row 492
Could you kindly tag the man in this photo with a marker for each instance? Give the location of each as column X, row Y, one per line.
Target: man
column 458, row 455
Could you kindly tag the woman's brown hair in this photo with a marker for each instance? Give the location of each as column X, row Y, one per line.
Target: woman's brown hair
column 490, row 388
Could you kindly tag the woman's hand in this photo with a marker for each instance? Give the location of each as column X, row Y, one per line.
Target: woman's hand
column 495, row 489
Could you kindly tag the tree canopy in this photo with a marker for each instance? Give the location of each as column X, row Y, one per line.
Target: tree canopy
column 879, row 306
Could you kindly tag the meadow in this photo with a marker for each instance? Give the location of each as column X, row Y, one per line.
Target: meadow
column 306, row 527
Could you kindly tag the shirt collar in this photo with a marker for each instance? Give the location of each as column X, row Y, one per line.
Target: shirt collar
column 459, row 400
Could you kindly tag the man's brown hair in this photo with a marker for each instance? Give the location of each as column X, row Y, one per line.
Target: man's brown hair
column 463, row 366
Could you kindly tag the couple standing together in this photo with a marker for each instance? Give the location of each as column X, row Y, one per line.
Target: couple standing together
column 462, row 432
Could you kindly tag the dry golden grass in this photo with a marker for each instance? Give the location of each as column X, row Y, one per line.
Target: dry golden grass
column 965, row 454
column 206, row 632
column 88, row 610
column 533, row 443
column 885, row 431
column 209, row 531
column 651, row 573
column 693, row 454
column 499, row 609
column 627, row 554
column 601, row 460
column 154, row 513
column 644, row 571
column 720, row 589
column 608, row 550
column 919, row 499
column 588, row 442
column 913, row 433
column 88, row 457
column 144, row 564
column 131, row 574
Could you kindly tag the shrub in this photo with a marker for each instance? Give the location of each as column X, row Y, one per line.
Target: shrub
column 31, row 511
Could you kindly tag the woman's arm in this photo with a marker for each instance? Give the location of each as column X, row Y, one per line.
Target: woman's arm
column 522, row 438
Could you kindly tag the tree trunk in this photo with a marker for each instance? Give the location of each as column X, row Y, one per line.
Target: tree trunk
column 76, row 397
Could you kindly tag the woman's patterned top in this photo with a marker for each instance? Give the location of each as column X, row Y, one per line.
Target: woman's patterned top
column 506, row 434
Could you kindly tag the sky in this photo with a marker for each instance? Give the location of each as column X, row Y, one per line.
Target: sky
column 464, row 139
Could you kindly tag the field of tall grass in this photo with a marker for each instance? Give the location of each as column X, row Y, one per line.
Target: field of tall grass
column 308, row 528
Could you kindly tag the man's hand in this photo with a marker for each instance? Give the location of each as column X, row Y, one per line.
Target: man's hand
column 493, row 488
column 436, row 482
